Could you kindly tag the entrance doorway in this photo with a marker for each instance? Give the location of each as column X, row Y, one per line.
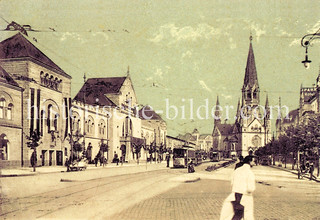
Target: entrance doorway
column 50, row 157
column 59, row 158
column 3, row 147
column 43, row 157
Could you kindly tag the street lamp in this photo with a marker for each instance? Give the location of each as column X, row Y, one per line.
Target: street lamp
column 306, row 42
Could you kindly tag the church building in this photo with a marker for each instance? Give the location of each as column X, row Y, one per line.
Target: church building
column 252, row 126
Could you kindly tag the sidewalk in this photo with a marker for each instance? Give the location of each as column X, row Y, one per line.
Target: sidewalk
column 28, row 171
column 294, row 171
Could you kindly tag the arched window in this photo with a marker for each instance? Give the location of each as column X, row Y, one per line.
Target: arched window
column 92, row 127
column 2, row 107
column 76, row 121
column 255, row 93
column 249, row 94
column 102, row 127
column 89, row 126
column 9, row 111
column 4, row 147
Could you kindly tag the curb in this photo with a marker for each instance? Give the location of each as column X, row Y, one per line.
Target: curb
column 17, row 175
column 192, row 181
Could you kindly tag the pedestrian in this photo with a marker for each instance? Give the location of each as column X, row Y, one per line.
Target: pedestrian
column 239, row 204
column 116, row 158
column 190, row 166
column 168, row 158
column 96, row 161
column 240, row 163
column 311, row 170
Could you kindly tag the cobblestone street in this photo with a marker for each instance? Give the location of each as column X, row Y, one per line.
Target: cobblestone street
column 279, row 195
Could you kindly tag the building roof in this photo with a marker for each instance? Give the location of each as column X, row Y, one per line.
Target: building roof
column 149, row 113
column 95, row 90
column 18, row 46
column 6, row 78
column 225, row 129
column 250, row 78
column 291, row 116
column 203, row 136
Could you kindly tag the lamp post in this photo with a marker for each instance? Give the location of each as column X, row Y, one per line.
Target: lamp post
column 306, row 42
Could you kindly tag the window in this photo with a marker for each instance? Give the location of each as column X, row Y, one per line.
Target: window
column 9, row 111
column 3, row 148
column 2, row 107
column 101, row 127
column 50, row 81
column 128, row 126
column 249, row 94
column 89, row 126
column 6, row 110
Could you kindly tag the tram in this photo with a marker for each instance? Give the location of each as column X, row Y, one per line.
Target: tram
column 182, row 155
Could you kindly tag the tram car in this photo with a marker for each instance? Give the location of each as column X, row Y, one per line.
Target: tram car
column 182, row 155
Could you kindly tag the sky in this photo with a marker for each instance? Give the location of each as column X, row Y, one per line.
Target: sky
column 177, row 51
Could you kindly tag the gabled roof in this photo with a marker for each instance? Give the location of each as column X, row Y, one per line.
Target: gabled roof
column 250, row 78
column 18, row 46
column 225, row 129
column 149, row 114
column 98, row 88
column 6, row 78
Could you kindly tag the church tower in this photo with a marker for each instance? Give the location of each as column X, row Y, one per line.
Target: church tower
column 250, row 89
column 255, row 126
column 217, row 113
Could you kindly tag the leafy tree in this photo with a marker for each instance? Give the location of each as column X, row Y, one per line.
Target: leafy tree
column 33, row 143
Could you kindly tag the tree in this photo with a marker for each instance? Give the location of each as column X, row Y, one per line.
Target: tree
column 76, row 146
column 33, row 143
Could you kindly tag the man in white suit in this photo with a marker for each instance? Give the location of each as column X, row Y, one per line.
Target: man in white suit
column 243, row 185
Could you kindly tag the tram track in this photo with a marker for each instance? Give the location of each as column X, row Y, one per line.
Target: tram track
column 44, row 204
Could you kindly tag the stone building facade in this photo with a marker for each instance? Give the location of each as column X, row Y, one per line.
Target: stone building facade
column 46, row 90
column 11, row 121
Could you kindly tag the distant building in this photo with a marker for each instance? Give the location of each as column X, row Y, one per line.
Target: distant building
column 205, row 142
column 201, row 141
column 154, row 132
column 111, row 117
column 45, row 99
column 309, row 104
column 252, row 127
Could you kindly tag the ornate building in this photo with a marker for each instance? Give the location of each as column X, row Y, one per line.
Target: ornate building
column 42, row 106
column 110, row 117
column 252, row 127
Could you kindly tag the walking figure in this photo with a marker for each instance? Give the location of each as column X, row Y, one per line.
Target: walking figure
column 311, row 169
column 168, row 159
column 239, row 204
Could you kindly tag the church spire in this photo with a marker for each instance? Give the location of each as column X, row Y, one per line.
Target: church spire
column 267, row 112
column 217, row 115
column 250, row 89
column 238, row 111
